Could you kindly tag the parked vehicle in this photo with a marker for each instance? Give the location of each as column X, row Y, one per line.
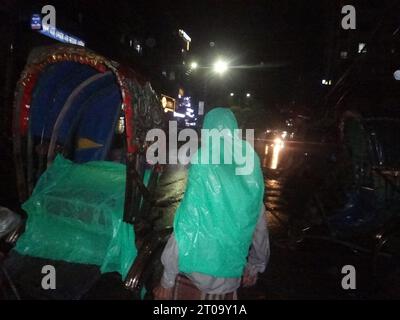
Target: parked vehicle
column 76, row 111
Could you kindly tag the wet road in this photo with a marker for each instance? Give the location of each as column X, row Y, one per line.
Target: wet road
column 311, row 269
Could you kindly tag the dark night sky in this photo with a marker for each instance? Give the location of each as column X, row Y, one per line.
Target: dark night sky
column 286, row 36
column 289, row 37
column 281, row 49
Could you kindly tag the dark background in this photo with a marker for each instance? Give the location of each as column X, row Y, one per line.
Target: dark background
column 279, row 51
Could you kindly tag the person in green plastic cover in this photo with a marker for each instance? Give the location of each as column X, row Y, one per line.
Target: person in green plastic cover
column 220, row 238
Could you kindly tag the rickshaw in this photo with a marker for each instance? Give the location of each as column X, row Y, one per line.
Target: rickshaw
column 345, row 188
column 79, row 127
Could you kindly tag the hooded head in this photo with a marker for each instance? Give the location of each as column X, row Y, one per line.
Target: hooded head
column 221, row 143
column 220, row 118
column 218, row 136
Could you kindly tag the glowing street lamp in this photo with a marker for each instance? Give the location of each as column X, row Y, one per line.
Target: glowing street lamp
column 396, row 75
column 232, row 94
column 194, row 65
column 220, row 66
column 248, row 95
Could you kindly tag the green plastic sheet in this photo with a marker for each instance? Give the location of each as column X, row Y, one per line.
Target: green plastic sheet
column 75, row 215
column 216, row 219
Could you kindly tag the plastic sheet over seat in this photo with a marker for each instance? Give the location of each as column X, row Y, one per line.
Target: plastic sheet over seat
column 75, row 215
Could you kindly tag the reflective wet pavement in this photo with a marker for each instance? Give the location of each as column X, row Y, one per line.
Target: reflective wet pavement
column 312, row 268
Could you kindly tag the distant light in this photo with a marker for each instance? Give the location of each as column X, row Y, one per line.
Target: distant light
column 164, row 102
column 220, row 66
column 396, row 75
column 179, row 115
column 36, row 22
column 193, row 65
column 121, row 125
column 248, row 95
column 184, row 35
column 232, row 94
column 343, row 54
column 54, row 33
column 278, row 142
column 362, row 47
column 168, row 103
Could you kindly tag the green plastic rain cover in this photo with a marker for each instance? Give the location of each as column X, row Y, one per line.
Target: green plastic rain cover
column 216, row 219
column 75, row 214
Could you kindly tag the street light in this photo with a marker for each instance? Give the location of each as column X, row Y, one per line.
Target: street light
column 232, row 94
column 248, row 95
column 193, row 65
column 220, row 66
